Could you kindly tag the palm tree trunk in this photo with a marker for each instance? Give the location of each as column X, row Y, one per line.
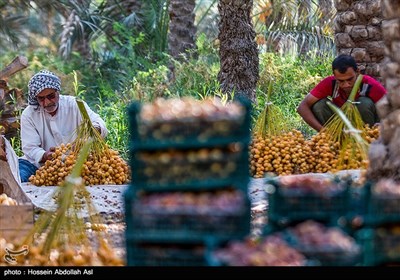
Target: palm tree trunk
column 384, row 154
column 181, row 36
column 239, row 60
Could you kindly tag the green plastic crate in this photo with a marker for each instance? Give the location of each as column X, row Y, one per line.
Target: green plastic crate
column 380, row 209
column 381, row 245
column 194, row 224
column 328, row 245
column 290, row 205
column 166, row 254
column 264, row 251
column 184, row 133
column 150, row 170
column 356, row 210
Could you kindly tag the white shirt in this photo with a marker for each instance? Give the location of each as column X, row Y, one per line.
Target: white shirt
column 40, row 131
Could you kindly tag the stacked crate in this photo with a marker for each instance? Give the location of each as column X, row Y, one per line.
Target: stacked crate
column 380, row 232
column 312, row 213
column 16, row 208
column 188, row 193
column 298, row 198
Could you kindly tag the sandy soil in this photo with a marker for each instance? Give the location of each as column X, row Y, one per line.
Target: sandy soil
column 109, row 202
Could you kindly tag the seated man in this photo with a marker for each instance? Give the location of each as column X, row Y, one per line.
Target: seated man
column 314, row 109
column 50, row 119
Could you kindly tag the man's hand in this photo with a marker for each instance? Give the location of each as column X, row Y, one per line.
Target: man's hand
column 48, row 154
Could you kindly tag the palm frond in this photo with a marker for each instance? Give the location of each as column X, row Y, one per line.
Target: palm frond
column 336, row 125
column 296, row 27
column 353, row 150
column 270, row 122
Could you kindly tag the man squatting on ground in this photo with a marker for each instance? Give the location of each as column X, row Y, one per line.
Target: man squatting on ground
column 315, row 111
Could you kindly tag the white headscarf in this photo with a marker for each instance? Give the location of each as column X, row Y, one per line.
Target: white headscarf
column 40, row 81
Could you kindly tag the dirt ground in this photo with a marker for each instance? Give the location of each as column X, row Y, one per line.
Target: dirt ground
column 109, row 201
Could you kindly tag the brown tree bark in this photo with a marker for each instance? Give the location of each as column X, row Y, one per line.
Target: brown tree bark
column 238, row 75
column 182, row 31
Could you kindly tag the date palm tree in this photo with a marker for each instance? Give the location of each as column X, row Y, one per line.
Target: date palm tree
column 146, row 19
column 182, row 31
column 13, row 16
column 81, row 21
column 296, row 26
column 239, row 62
column 20, row 19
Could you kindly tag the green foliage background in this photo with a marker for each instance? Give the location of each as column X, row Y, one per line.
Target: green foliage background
column 292, row 78
column 128, row 63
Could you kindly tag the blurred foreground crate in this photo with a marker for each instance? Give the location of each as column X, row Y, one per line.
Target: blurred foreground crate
column 221, row 214
column 16, row 221
column 332, row 256
column 186, row 122
column 299, row 198
column 381, row 245
column 190, row 173
column 270, row 250
column 381, row 203
column 321, row 244
column 166, row 254
column 172, row 169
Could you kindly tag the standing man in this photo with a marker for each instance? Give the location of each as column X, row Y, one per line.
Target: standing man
column 314, row 109
column 49, row 120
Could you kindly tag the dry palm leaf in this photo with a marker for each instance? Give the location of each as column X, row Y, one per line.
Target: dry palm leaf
column 65, row 217
column 65, row 229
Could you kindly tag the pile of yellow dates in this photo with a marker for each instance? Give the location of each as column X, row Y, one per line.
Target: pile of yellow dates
column 33, row 255
column 291, row 153
column 107, row 169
